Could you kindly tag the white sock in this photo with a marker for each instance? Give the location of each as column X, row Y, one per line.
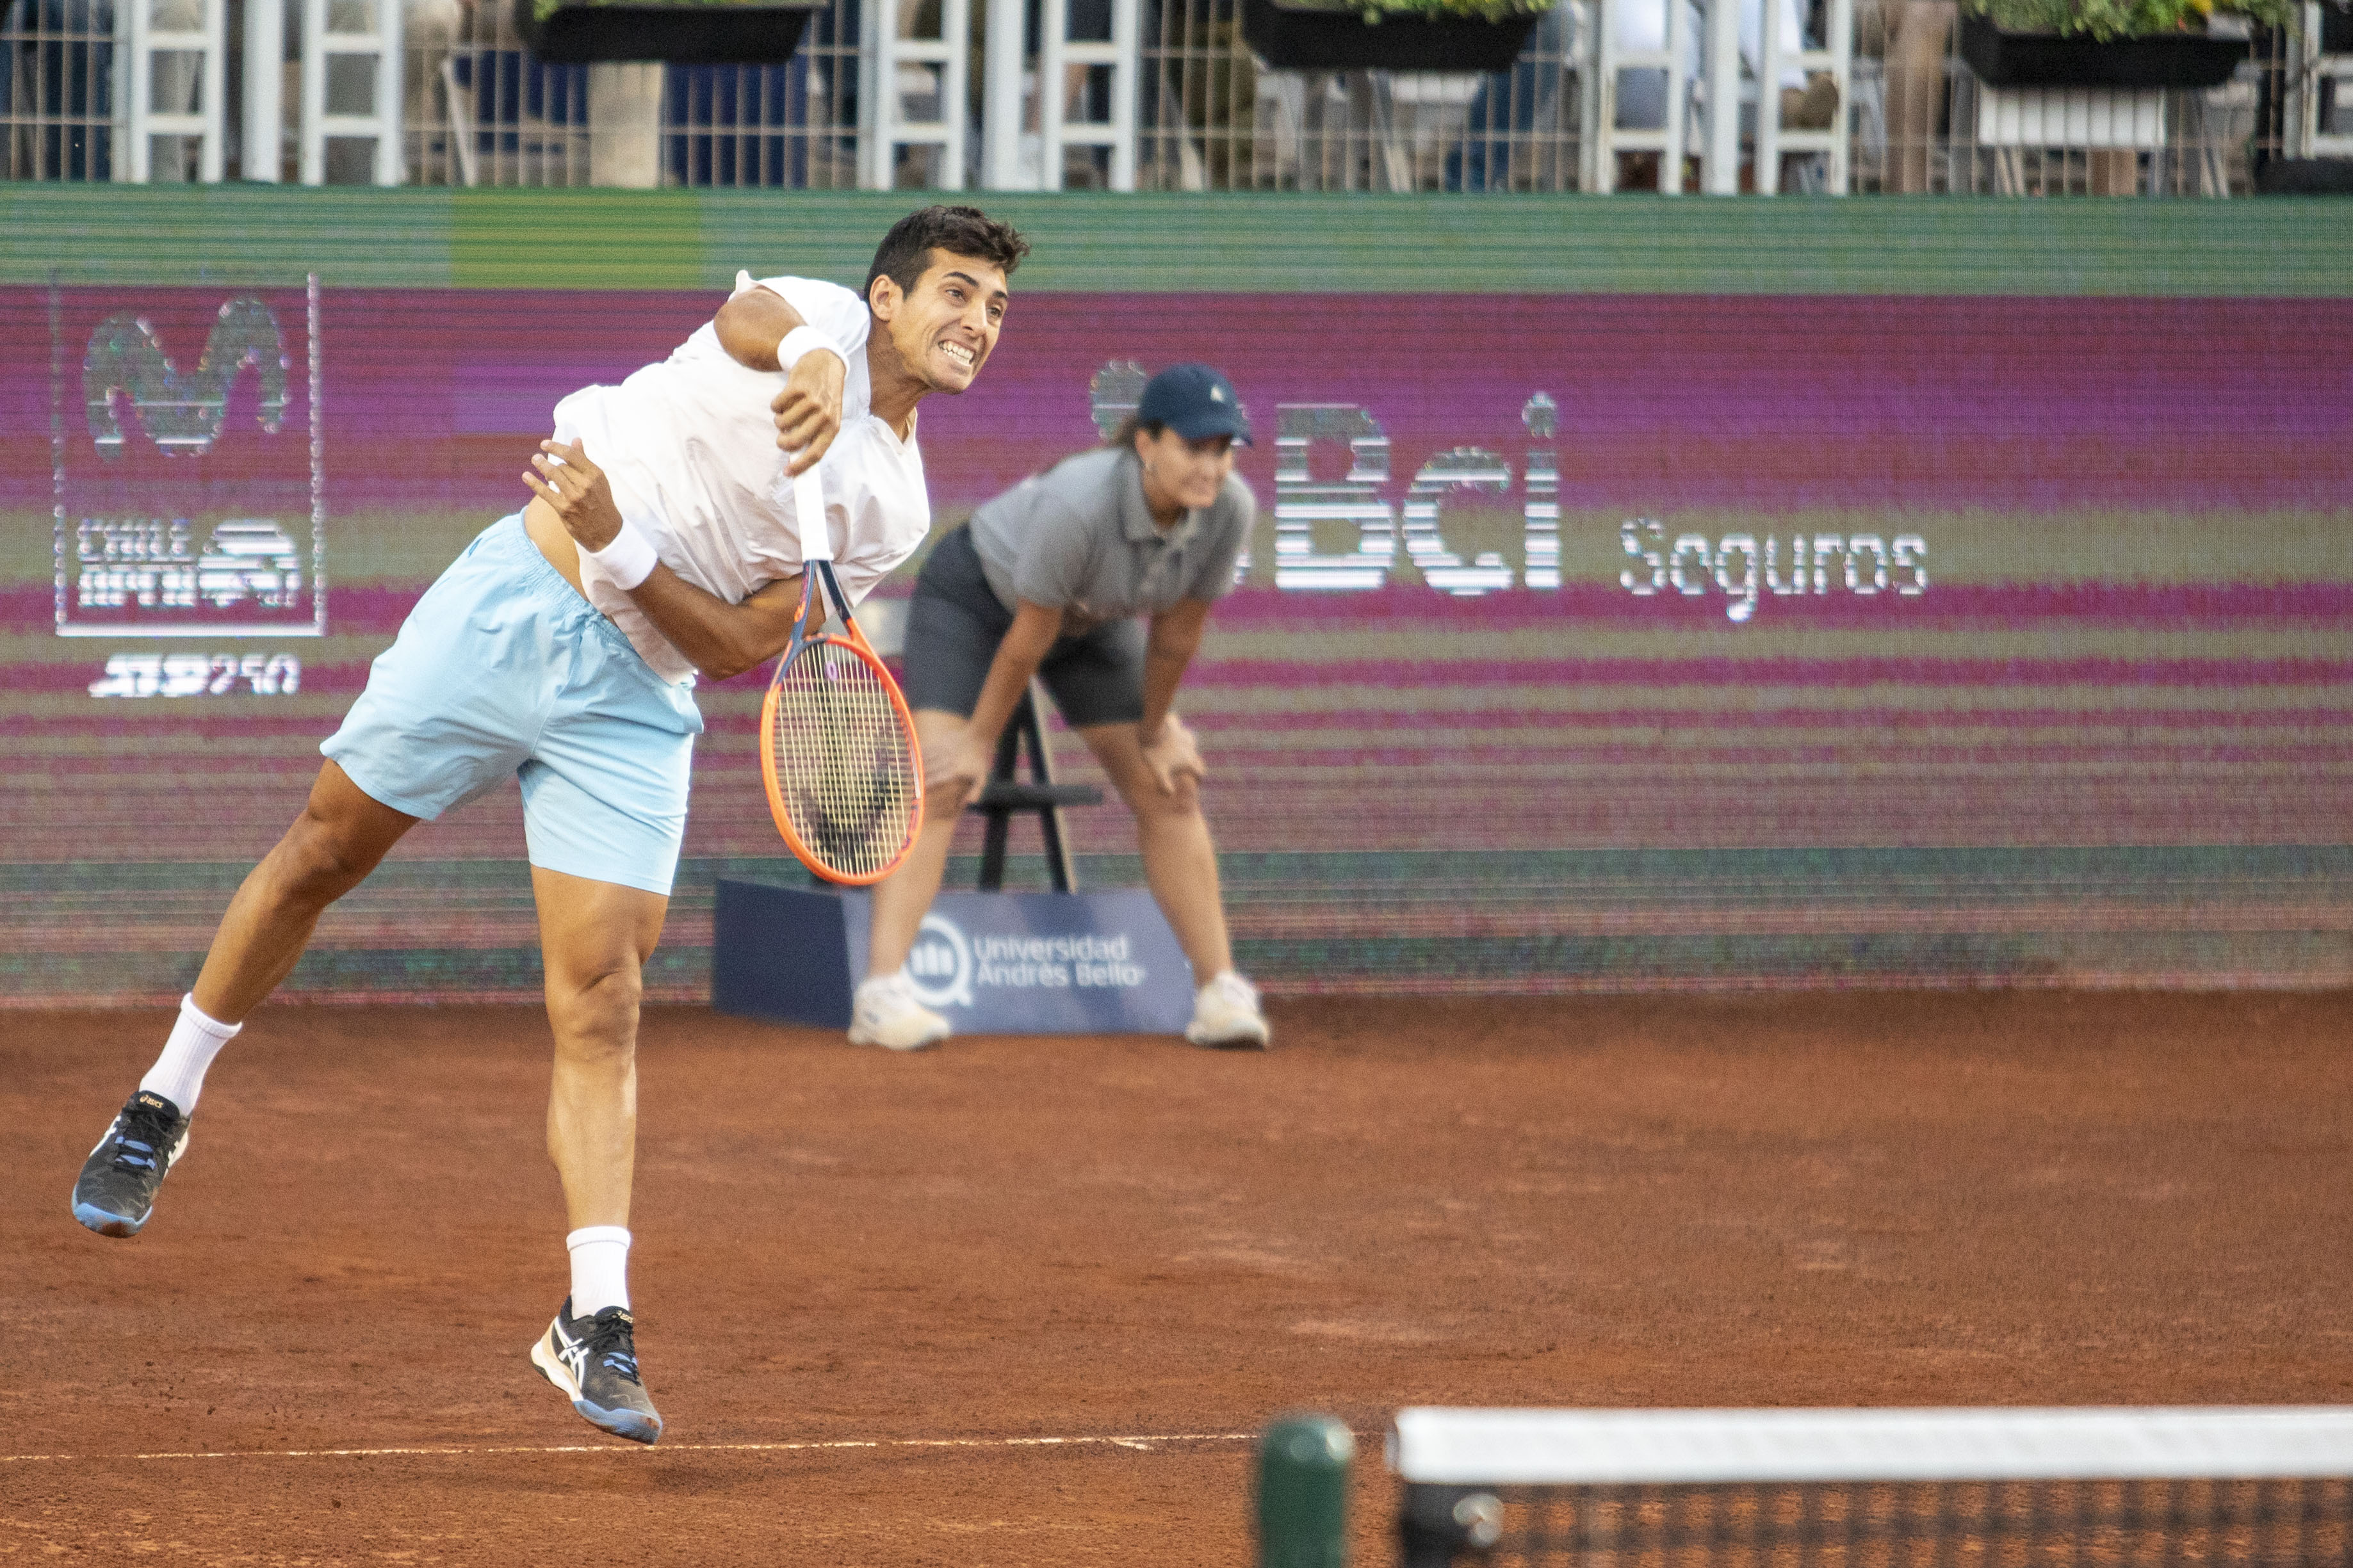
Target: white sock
column 178, row 1073
column 600, row 1269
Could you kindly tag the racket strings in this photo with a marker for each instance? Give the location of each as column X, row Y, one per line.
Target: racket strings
column 845, row 769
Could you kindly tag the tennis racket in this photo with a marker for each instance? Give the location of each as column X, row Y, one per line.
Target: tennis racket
column 838, row 746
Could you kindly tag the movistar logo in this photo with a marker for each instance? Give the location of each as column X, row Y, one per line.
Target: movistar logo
column 182, row 413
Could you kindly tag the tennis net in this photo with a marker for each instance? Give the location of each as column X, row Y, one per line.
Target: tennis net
column 1875, row 1488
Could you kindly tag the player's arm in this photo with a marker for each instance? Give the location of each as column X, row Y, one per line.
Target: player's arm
column 1019, row 654
column 1175, row 637
column 752, row 328
column 718, row 638
column 1169, row 747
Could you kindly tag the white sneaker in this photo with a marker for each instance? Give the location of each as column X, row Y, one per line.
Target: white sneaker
column 884, row 1013
column 1226, row 1014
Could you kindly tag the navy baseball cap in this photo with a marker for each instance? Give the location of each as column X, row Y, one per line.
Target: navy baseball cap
column 1196, row 402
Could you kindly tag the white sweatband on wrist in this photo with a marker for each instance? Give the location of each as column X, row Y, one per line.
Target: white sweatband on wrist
column 629, row 559
column 805, row 340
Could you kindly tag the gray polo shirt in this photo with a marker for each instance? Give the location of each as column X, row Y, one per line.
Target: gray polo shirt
column 1079, row 539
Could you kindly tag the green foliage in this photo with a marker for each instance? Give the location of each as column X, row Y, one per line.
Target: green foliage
column 1372, row 11
column 2106, row 19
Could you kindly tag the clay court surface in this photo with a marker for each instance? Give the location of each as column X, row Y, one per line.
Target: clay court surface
column 869, row 1287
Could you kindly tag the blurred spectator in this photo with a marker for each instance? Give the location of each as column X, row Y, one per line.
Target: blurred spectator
column 1919, row 37
column 1482, row 161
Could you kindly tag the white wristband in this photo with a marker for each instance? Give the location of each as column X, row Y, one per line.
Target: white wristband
column 801, row 341
column 629, row 559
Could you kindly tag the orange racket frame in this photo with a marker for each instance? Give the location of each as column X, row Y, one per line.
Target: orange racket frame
column 817, row 567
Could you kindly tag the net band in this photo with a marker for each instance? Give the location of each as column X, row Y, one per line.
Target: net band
column 1575, row 1447
column 2262, row 1487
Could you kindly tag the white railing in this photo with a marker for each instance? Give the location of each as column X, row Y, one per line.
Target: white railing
column 915, row 92
column 1866, row 95
column 1091, row 106
column 350, row 108
column 178, row 129
column 2320, row 97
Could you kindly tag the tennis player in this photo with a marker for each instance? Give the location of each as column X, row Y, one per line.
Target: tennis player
column 1054, row 579
column 661, row 543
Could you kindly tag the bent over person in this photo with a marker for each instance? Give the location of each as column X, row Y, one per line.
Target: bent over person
column 1049, row 580
column 662, row 543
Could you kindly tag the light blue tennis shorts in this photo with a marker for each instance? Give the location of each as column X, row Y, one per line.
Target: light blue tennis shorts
column 503, row 671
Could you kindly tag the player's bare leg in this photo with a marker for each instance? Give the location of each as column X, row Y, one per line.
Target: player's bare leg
column 595, row 938
column 886, row 1012
column 341, row 836
column 1180, row 866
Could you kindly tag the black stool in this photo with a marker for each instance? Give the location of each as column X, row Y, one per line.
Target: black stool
column 1005, row 794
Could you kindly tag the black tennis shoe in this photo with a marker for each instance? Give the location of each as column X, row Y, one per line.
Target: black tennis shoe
column 118, row 1183
column 595, row 1361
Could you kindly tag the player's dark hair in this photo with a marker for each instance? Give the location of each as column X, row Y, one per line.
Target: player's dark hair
column 906, row 250
column 1124, row 437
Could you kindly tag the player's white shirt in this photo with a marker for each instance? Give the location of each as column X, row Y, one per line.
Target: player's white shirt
column 690, row 445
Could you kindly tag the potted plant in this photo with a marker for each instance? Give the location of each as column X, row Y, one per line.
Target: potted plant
column 2111, row 43
column 683, row 32
column 1390, row 34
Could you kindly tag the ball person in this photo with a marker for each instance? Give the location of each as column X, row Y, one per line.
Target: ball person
column 1055, row 579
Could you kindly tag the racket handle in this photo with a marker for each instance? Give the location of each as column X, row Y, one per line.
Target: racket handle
column 808, row 510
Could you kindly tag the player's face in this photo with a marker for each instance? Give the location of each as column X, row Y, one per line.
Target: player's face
column 1189, row 473
column 945, row 327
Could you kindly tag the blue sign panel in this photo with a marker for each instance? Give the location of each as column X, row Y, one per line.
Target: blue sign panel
column 993, row 964
column 780, row 953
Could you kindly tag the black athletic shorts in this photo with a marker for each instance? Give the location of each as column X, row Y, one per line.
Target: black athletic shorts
column 955, row 623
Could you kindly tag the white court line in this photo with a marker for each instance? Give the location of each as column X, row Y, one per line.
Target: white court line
column 1144, row 1443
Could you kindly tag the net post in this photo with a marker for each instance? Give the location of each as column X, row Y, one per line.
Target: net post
column 1303, row 1493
